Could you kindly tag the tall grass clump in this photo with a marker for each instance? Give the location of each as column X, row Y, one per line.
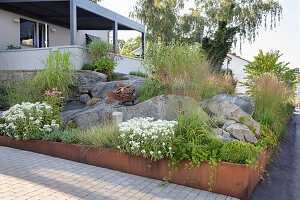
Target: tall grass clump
column 273, row 106
column 168, row 62
column 23, row 91
column 57, row 72
column 184, row 67
column 106, row 136
column 195, row 128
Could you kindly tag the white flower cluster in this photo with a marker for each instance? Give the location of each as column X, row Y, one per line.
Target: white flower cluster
column 27, row 117
column 146, row 137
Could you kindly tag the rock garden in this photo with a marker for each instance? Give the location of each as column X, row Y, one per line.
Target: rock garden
column 182, row 123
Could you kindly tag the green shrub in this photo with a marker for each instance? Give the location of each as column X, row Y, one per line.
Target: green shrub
column 152, row 89
column 238, row 152
column 12, row 47
column 269, row 63
column 4, row 102
column 103, row 136
column 103, row 57
column 89, row 66
column 2, row 121
column 138, row 73
column 70, row 136
column 61, row 135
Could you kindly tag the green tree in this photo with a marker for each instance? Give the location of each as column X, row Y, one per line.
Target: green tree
column 121, row 43
column 247, row 15
column 229, row 20
column 130, row 45
column 95, row 1
column 216, row 49
column 160, row 17
column 269, row 63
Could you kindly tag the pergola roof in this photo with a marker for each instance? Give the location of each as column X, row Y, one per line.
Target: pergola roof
column 90, row 16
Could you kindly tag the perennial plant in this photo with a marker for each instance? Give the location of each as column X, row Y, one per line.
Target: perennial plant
column 147, row 138
column 25, row 119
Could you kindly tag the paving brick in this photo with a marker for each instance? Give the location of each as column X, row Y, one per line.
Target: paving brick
column 27, row 175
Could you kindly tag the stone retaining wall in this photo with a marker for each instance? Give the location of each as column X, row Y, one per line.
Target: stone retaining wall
column 15, row 75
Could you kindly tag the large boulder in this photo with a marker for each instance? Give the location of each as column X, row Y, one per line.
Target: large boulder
column 241, row 133
column 100, row 88
column 232, row 112
column 245, row 103
column 160, row 107
column 86, row 79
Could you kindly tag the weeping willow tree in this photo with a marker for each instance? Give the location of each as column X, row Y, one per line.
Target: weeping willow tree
column 218, row 24
column 226, row 21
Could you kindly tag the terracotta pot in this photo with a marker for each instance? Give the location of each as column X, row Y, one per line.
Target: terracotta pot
column 231, row 179
column 190, row 93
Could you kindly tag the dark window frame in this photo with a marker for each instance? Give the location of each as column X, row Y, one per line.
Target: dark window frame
column 35, row 33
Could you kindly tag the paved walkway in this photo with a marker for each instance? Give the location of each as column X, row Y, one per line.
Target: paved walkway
column 283, row 182
column 27, row 175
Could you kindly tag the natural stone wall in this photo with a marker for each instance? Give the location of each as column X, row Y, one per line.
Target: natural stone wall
column 15, row 75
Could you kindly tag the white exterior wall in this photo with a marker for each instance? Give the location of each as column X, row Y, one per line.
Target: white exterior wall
column 10, row 32
column 237, row 65
column 31, row 59
column 128, row 64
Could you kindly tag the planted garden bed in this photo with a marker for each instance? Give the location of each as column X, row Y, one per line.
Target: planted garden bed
column 237, row 180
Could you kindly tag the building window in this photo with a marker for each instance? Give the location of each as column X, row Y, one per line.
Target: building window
column 27, row 32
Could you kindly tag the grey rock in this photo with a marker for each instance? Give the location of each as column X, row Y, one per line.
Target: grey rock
column 223, row 135
column 245, row 103
column 160, row 107
column 84, row 98
column 228, row 123
column 86, row 79
column 100, row 88
column 241, row 133
column 226, row 109
column 232, row 112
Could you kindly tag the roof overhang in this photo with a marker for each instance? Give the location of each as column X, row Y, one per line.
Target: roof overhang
column 90, row 16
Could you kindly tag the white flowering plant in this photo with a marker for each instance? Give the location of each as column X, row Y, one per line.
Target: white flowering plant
column 148, row 138
column 25, row 119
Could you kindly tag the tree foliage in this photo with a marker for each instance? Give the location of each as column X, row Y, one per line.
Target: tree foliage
column 269, row 63
column 247, row 15
column 217, row 48
column 160, row 17
column 95, row 1
column 130, row 45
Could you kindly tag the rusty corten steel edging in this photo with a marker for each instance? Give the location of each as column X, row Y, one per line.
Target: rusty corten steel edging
column 231, row 179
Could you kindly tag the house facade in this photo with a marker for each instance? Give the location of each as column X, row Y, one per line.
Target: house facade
column 25, row 32
column 237, row 64
column 38, row 26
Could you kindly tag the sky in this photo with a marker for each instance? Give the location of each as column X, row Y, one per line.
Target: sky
column 286, row 37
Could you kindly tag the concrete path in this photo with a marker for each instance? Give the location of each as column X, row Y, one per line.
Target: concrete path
column 27, row 175
column 283, row 182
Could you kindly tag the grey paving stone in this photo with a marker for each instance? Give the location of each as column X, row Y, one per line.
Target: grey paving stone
column 27, row 175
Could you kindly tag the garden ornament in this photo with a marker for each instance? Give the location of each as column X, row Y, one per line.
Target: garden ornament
column 123, row 94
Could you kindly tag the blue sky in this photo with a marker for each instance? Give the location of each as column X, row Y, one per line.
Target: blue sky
column 285, row 38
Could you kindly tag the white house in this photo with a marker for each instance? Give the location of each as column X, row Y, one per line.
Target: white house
column 237, row 65
column 39, row 25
